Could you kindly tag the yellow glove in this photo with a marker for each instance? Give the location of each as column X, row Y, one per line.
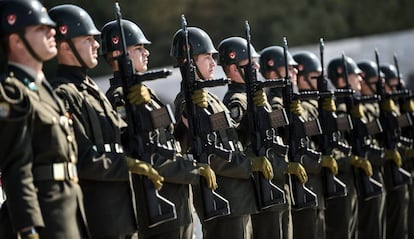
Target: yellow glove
column 143, row 168
column 296, row 108
column 199, row 98
column 260, row 98
column 363, row 163
column 357, row 111
column 298, row 170
column 394, row 155
column 409, row 152
column 208, row 174
column 388, row 105
column 329, row 162
column 408, row 106
column 262, row 164
column 329, row 104
column 139, row 94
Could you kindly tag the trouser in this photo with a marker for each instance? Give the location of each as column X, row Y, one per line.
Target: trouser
column 309, row 223
column 396, row 212
column 411, row 212
column 183, row 232
column 234, row 227
column 341, row 215
column 268, row 224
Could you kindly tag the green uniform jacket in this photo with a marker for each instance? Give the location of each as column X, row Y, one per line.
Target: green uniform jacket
column 234, row 177
column 35, row 135
column 178, row 172
column 103, row 172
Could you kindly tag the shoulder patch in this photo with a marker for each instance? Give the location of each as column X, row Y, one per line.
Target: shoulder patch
column 236, row 112
column 4, row 110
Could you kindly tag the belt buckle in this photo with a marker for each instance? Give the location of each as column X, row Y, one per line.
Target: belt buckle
column 58, row 171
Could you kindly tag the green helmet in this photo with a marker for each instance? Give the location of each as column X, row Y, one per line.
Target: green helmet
column 369, row 69
column 272, row 57
column 19, row 14
column 233, row 50
column 307, row 62
column 390, row 71
column 110, row 36
column 336, row 66
column 199, row 41
column 72, row 21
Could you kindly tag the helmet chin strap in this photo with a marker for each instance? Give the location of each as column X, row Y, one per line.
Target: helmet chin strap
column 308, row 80
column 29, row 48
column 76, row 53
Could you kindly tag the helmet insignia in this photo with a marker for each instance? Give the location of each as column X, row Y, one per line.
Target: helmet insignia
column 63, row 29
column 232, row 55
column 270, row 63
column 11, row 19
column 115, row 40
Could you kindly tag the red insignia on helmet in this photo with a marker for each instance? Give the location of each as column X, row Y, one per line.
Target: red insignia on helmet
column 232, row 55
column 63, row 29
column 270, row 63
column 115, row 40
column 11, row 19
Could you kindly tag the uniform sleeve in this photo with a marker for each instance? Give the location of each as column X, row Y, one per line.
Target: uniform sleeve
column 178, row 170
column 16, row 157
column 239, row 166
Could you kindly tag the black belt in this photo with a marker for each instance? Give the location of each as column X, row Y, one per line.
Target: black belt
column 56, row 172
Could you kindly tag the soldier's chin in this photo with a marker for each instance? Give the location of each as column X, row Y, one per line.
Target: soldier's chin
column 51, row 53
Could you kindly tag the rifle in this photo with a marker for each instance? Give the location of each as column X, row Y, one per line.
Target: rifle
column 334, row 187
column 391, row 136
column 302, row 197
column 202, row 127
column 142, row 133
column 263, row 135
column 367, row 186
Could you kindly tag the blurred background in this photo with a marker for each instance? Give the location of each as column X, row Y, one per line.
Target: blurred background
column 350, row 26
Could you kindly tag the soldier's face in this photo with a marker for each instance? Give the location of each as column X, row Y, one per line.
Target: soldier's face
column 369, row 86
column 205, row 64
column 139, row 55
column 42, row 40
column 355, row 81
column 293, row 72
column 87, row 48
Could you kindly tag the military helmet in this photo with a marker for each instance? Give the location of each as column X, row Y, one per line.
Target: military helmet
column 19, row 14
column 307, row 62
column 72, row 21
column 272, row 57
column 390, row 71
column 369, row 69
column 233, row 50
column 335, row 67
column 110, row 36
column 200, row 43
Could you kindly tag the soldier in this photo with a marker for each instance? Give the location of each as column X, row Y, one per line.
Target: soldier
column 38, row 149
column 233, row 57
column 233, row 174
column 103, row 167
column 272, row 66
column 177, row 171
column 397, row 199
column 345, row 225
column 371, row 213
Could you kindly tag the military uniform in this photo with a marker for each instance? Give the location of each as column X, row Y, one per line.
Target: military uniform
column 267, row 223
column 38, row 156
column 233, row 179
column 341, row 213
column 103, row 172
column 371, row 214
column 178, row 173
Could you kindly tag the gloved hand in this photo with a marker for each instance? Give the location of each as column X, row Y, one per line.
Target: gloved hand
column 409, row 152
column 363, row 163
column 329, row 162
column 388, row 105
column 143, row 168
column 408, row 106
column 139, row 94
column 357, row 111
column 199, row 98
column 262, row 164
column 329, row 104
column 260, row 98
column 296, row 107
column 208, row 174
column 394, row 155
column 298, row 170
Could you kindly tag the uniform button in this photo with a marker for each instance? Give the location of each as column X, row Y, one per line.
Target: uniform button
column 69, row 138
column 73, row 158
column 54, row 120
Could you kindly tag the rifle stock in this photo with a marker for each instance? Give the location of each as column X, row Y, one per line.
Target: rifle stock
column 158, row 209
column 199, row 126
column 302, row 197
